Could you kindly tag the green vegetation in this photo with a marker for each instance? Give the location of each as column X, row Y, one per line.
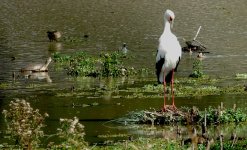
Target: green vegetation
column 241, row 75
column 185, row 116
column 145, row 144
column 79, row 64
column 222, row 115
column 25, row 127
column 106, row 65
column 24, row 124
column 112, row 66
column 165, row 144
column 197, row 69
column 72, row 133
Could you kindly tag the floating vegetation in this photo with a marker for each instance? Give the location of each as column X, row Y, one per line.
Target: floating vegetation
column 241, row 75
column 79, row 64
column 105, row 65
column 197, row 69
column 4, row 85
column 184, row 116
column 186, row 88
column 112, row 65
column 113, row 135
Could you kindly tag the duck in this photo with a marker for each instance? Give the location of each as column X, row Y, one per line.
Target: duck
column 37, row 67
column 53, row 35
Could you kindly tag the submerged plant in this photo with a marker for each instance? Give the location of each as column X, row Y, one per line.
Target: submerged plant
column 24, row 123
column 197, row 69
column 72, row 133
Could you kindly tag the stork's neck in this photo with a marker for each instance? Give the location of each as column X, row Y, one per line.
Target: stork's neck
column 167, row 28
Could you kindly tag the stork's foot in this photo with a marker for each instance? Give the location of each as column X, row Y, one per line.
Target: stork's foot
column 169, row 108
column 174, row 108
column 164, row 109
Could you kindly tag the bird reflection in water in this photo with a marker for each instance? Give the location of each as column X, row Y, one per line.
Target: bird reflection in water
column 36, row 76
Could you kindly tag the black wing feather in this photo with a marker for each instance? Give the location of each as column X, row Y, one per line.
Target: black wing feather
column 159, row 65
column 177, row 64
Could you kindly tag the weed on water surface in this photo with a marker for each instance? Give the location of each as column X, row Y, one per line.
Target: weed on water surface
column 105, row 65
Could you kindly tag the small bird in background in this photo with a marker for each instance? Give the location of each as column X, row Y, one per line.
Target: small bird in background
column 168, row 56
column 53, row 35
column 124, row 48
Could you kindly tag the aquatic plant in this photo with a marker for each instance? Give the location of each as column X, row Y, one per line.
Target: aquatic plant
column 72, row 133
column 241, row 75
column 230, row 145
column 112, row 65
column 106, row 65
column 197, row 69
column 184, row 116
column 24, row 123
column 78, row 64
column 145, row 143
column 58, row 57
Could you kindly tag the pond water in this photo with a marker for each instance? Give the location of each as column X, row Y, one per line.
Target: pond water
column 108, row 25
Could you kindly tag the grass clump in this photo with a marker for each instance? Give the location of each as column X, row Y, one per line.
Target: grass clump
column 241, row 75
column 184, row 116
column 24, row 123
column 197, row 69
column 145, row 144
column 106, row 65
column 112, row 65
column 72, row 133
column 79, row 64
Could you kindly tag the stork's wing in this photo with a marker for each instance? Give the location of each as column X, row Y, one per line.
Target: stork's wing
column 177, row 64
column 159, row 65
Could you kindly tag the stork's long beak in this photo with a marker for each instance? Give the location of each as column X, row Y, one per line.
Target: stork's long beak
column 171, row 20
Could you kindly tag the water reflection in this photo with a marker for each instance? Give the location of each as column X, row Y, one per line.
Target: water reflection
column 54, row 46
column 36, row 76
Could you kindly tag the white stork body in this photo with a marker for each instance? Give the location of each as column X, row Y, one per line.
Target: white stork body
column 169, row 52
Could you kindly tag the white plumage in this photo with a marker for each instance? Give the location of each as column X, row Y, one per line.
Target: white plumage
column 168, row 55
column 169, row 50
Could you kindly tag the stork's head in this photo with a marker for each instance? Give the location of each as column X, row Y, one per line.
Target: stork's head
column 169, row 16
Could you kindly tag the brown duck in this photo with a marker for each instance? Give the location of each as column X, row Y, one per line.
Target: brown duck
column 53, row 35
column 37, row 67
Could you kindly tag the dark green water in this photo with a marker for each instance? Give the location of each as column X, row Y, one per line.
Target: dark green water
column 108, row 24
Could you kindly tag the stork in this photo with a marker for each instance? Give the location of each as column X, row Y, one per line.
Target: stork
column 168, row 55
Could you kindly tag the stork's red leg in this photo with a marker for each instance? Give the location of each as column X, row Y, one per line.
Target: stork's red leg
column 164, row 85
column 172, row 81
